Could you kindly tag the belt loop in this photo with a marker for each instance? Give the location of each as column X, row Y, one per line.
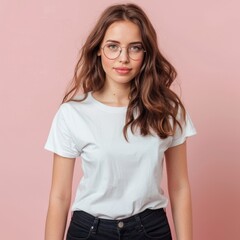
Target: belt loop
column 138, row 220
column 95, row 225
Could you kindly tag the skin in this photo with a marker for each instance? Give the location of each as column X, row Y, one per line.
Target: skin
column 115, row 93
column 116, row 88
column 179, row 190
column 60, row 197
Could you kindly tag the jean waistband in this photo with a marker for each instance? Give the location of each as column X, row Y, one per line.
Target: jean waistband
column 135, row 219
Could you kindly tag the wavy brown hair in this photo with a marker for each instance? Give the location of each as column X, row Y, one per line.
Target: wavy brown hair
column 150, row 94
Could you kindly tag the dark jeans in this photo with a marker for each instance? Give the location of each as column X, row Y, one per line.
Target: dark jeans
column 149, row 224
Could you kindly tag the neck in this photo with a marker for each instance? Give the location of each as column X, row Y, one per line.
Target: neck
column 114, row 96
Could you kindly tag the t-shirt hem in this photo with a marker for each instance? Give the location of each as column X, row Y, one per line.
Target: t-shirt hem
column 60, row 153
column 182, row 140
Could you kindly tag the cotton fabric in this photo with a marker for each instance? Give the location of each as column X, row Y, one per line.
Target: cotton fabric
column 120, row 178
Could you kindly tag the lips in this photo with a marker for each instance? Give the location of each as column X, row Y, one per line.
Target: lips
column 122, row 70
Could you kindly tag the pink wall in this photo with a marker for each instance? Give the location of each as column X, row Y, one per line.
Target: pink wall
column 38, row 48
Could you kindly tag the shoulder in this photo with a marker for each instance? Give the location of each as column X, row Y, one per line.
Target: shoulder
column 80, row 107
column 77, row 103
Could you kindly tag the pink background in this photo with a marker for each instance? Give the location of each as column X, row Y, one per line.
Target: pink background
column 39, row 46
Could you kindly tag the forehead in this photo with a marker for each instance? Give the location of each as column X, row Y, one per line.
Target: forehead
column 123, row 32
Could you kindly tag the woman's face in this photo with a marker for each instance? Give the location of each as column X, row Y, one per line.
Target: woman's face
column 122, row 69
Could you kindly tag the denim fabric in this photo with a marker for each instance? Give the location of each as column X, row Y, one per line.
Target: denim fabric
column 149, row 224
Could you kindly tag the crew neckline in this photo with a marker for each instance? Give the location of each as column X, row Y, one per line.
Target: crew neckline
column 106, row 107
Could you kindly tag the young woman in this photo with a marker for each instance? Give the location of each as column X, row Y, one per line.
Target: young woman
column 121, row 118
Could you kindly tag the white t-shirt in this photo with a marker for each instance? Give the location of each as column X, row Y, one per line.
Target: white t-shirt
column 120, row 178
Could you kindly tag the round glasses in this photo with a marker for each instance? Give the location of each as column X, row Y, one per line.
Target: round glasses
column 113, row 51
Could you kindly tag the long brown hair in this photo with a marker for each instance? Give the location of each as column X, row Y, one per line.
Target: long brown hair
column 150, row 94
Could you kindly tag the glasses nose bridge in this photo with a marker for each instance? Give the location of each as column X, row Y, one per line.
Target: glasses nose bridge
column 121, row 50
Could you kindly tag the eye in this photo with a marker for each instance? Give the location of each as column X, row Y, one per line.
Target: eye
column 136, row 48
column 112, row 47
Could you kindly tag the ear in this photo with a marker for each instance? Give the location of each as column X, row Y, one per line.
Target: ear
column 99, row 53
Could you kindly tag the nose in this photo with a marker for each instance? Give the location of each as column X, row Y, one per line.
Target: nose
column 123, row 57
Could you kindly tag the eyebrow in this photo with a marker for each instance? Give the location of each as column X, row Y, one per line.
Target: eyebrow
column 114, row 41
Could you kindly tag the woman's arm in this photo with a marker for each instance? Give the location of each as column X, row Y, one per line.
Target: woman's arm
column 179, row 191
column 60, row 197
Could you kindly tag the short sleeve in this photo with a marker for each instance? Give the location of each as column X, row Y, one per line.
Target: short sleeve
column 60, row 139
column 188, row 130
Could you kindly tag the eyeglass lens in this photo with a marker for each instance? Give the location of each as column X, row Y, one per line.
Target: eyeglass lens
column 113, row 51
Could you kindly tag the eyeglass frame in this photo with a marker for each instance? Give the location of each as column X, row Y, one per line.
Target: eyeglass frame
column 120, row 50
